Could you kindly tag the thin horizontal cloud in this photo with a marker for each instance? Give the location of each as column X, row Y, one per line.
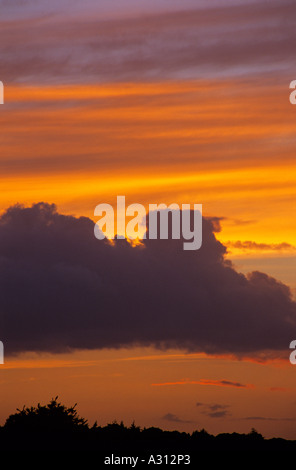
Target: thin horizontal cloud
column 219, row 383
column 253, row 246
column 218, row 414
column 267, row 418
column 55, row 141
column 180, row 382
column 225, row 383
column 212, row 406
column 64, row 46
column 174, row 418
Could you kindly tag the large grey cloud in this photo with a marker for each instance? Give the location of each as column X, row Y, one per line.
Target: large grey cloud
column 61, row 288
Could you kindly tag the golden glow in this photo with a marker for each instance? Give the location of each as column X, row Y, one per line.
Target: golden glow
column 229, row 146
column 226, row 145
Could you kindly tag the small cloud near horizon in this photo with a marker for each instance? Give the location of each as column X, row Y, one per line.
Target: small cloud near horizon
column 175, row 419
column 219, row 383
column 215, row 410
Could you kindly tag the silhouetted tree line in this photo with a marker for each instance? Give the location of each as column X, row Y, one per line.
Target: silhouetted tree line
column 57, row 427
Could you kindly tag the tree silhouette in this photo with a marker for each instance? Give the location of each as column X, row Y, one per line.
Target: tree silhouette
column 57, row 427
column 50, row 418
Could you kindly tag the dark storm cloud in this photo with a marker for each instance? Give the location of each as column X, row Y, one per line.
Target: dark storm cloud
column 61, row 288
column 61, row 44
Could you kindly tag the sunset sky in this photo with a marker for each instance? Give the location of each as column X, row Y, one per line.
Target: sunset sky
column 164, row 102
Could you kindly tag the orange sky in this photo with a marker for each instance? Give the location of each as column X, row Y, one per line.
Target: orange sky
column 120, row 385
column 212, row 126
column 227, row 145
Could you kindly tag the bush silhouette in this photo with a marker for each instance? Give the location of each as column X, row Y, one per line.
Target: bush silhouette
column 53, row 417
column 55, row 426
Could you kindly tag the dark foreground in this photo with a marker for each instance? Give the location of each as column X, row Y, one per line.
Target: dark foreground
column 126, row 442
column 54, row 427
